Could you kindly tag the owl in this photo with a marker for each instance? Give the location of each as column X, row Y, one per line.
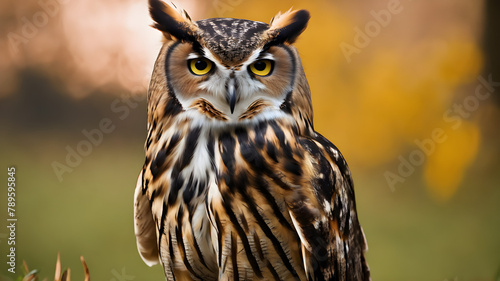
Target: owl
column 237, row 184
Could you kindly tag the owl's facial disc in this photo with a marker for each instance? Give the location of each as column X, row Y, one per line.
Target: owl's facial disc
column 205, row 83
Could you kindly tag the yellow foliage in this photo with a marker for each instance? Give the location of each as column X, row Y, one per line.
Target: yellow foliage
column 444, row 169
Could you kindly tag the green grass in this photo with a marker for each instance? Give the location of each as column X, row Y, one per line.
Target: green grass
column 90, row 213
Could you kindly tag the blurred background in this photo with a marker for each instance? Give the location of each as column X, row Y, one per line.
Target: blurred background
column 408, row 90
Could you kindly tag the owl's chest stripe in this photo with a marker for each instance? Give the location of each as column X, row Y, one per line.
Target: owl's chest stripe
column 242, row 235
column 238, row 178
column 252, row 206
column 182, row 247
column 178, row 180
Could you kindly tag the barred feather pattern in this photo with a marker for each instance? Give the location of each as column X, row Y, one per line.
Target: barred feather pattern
column 259, row 196
column 251, row 203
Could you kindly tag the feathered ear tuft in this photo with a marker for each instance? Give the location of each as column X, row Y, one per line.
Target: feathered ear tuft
column 288, row 26
column 173, row 22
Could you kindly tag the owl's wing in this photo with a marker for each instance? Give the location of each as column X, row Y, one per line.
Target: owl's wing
column 144, row 226
column 324, row 215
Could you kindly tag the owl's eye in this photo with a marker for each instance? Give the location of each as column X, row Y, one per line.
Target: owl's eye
column 200, row 66
column 262, row 67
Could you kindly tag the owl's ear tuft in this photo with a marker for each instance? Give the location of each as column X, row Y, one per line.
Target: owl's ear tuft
column 288, row 26
column 173, row 22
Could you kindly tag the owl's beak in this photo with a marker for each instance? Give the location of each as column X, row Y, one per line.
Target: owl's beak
column 232, row 95
column 232, row 101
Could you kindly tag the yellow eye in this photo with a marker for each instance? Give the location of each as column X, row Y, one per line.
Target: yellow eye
column 262, row 67
column 200, row 66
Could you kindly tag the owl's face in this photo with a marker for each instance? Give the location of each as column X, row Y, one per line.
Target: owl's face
column 228, row 71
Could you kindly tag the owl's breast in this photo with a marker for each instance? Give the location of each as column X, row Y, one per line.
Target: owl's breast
column 224, row 210
column 181, row 174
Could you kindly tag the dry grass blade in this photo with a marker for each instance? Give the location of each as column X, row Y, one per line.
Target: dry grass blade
column 31, row 276
column 85, row 268
column 66, row 275
column 25, row 267
column 57, row 276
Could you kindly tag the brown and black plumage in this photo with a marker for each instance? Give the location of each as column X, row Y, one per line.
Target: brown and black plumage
column 236, row 184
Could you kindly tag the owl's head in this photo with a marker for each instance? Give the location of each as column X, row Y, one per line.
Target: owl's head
column 229, row 71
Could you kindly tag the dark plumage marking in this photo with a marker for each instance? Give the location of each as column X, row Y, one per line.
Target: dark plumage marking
column 243, row 237
column 173, row 106
column 234, row 256
column 309, row 145
column 258, row 247
column 260, row 132
column 250, row 203
column 189, row 192
column 227, row 148
column 175, row 186
column 316, row 238
column 273, row 272
column 170, row 246
column 149, row 140
column 172, row 270
column 324, row 185
column 159, row 133
column 339, row 160
column 287, row 105
column 172, row 144
column 190, row 147
column 263, row 188
column 293, row 166
column 269, row 234
column 227, row 143
column 290, row 32
column 157, row 166
column 144, row 181
column 280, row 135
column 340, row 211
column 180, row 243
column 211, row 150
column 304, row 216
column 290, row 163
column 250, row 153
column 271, row 151
column 161, row 230
column 342, row 208
column 197, row 246
column 336, row 270
column 197, row 48
column 279, row 181
column 154, row 194
column 244, row 223
column 242, row 134
column 165, row 18
column 220, row 231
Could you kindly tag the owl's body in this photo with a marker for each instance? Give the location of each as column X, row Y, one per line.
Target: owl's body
column 237, row 185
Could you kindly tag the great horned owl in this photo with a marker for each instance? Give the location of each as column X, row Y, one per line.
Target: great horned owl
column 237, row 185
